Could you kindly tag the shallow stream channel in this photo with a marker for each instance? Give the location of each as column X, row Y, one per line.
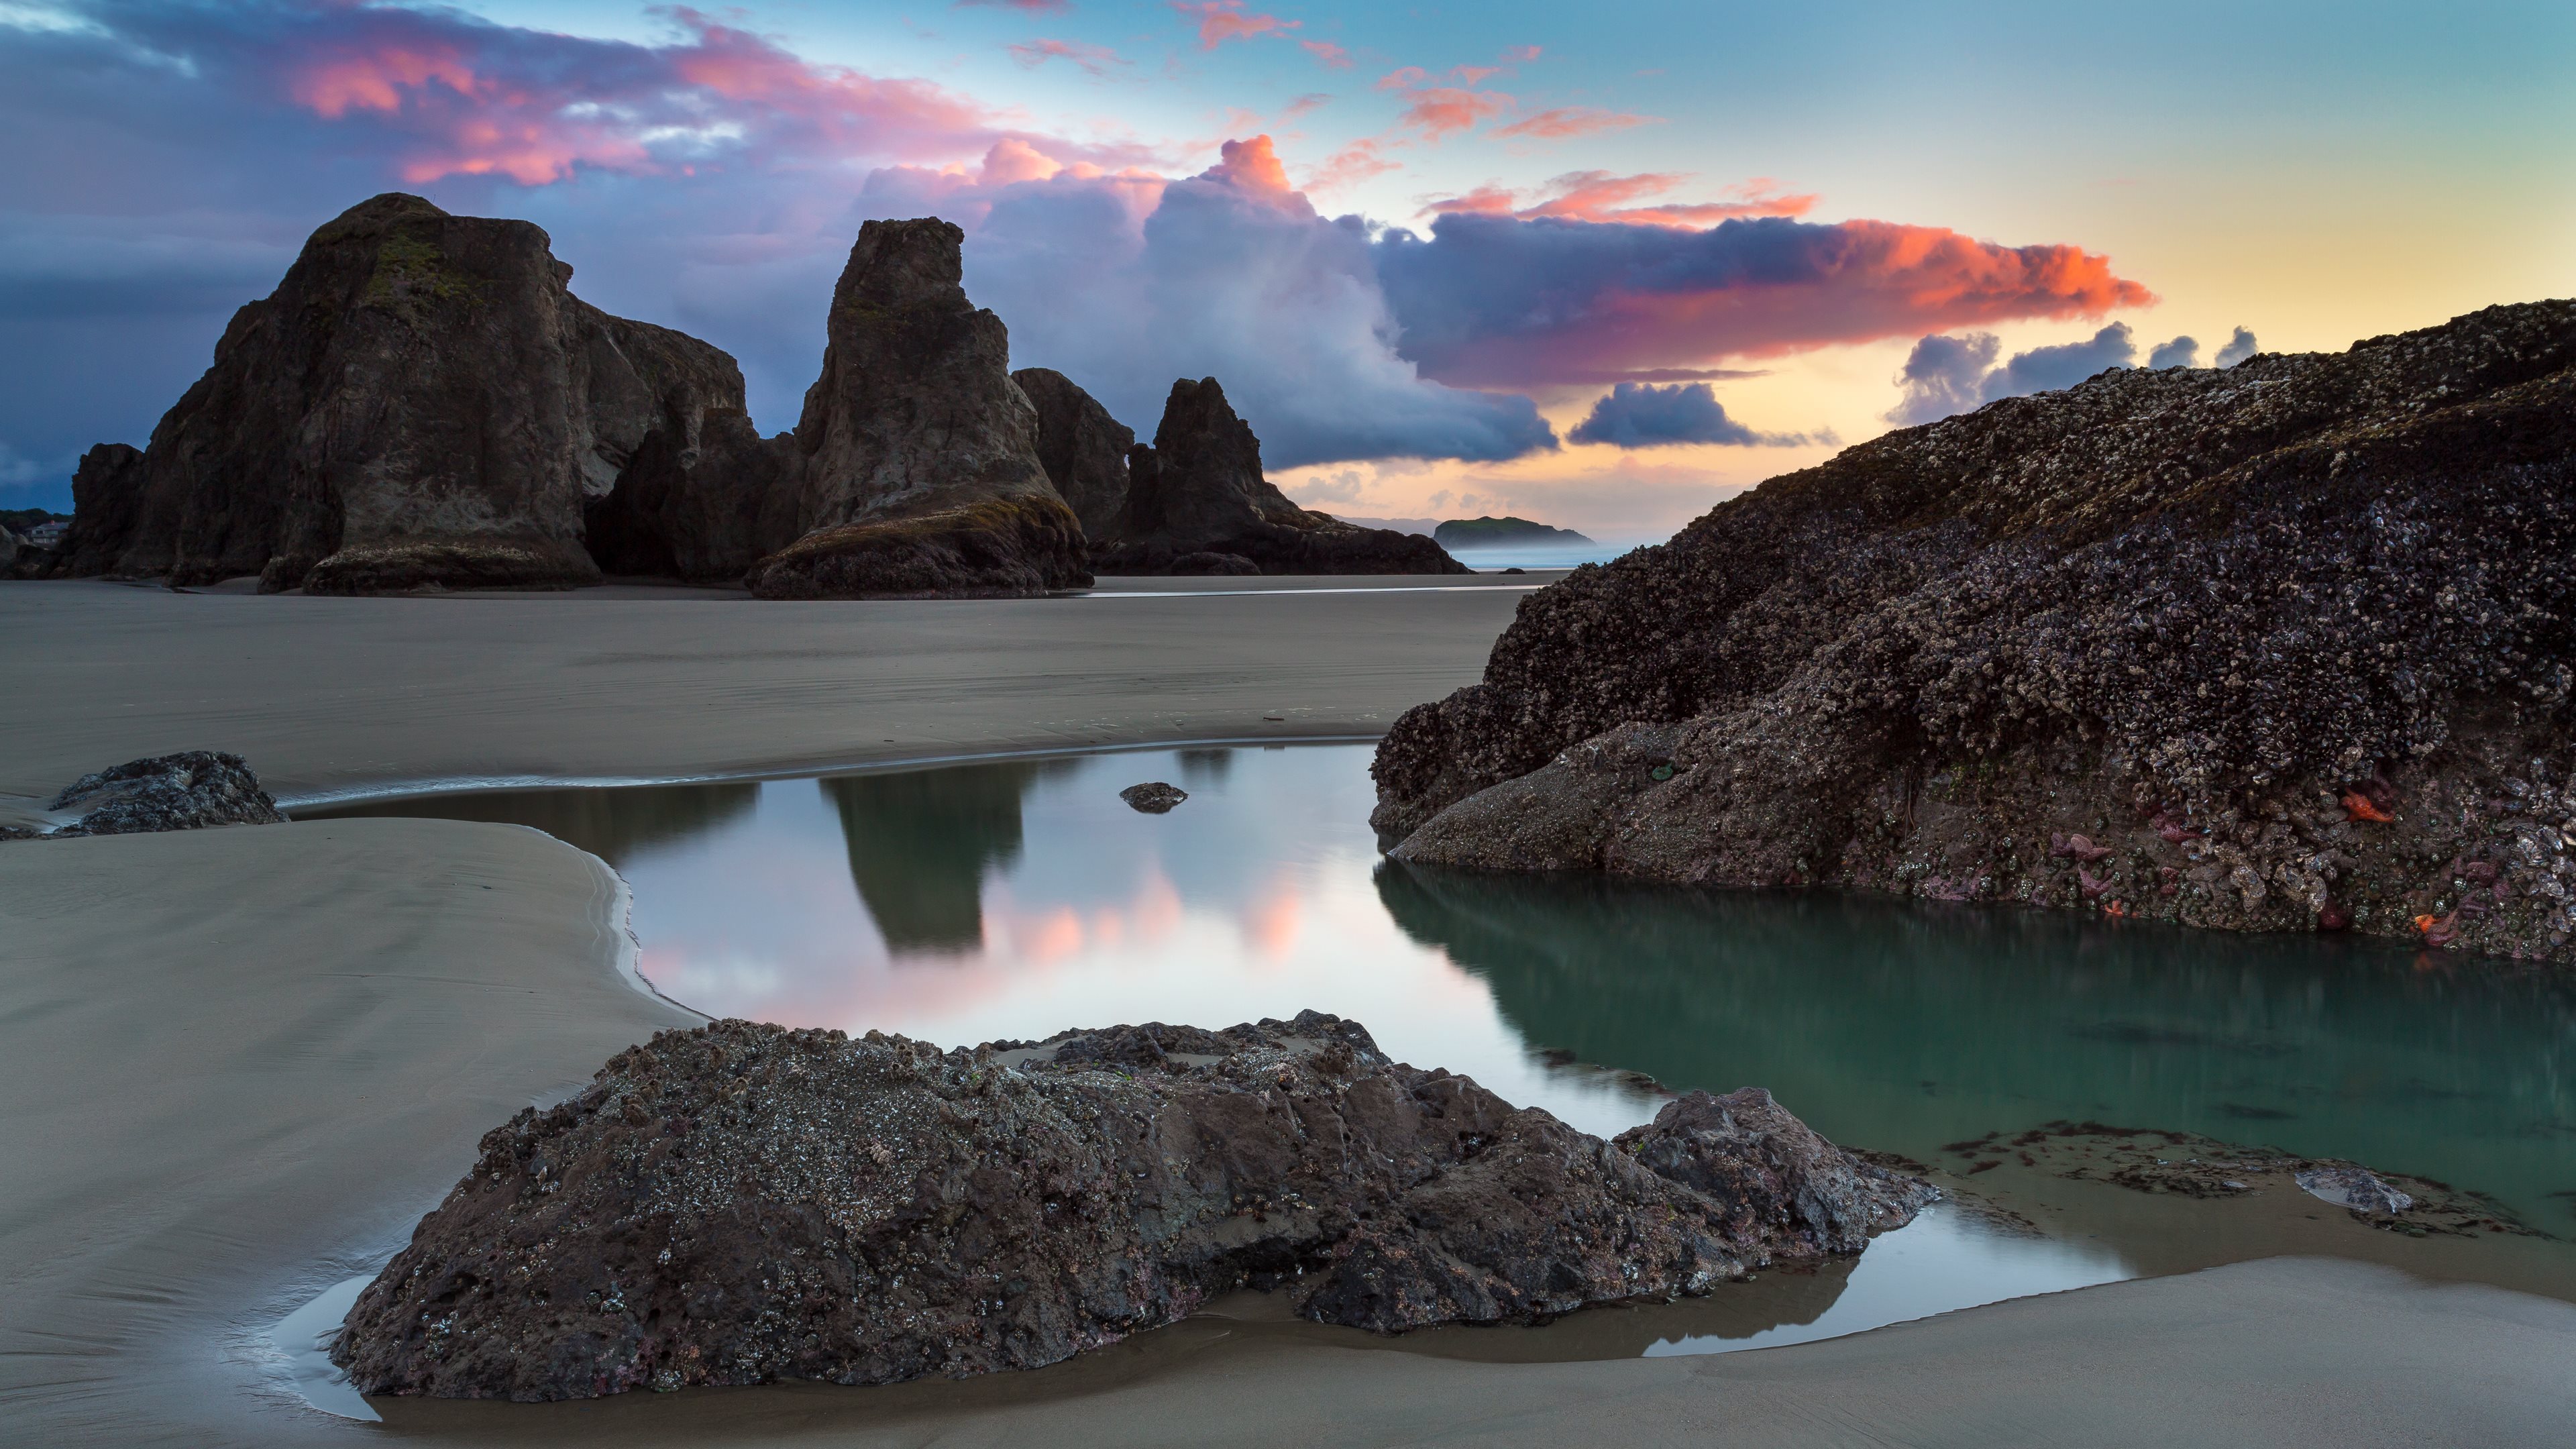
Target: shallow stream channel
column 1016, row 898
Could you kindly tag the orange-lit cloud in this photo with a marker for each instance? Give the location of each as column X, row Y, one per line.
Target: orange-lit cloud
column 1222, row 20
column 1602, row 196
column 1252, row 166
column 1560, row 122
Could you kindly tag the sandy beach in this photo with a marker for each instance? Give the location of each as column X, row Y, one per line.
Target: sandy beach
column 243, row 1062
column 329, row 697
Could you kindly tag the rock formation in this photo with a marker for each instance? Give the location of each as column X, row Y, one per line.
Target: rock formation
column 1083, row 448
column 1199, row 490
column 421, row 401
column 187, row 791
column 1154, row 797
column 2280, row 646
column 914, row 471
column 1492, row 532
column 743, row 1203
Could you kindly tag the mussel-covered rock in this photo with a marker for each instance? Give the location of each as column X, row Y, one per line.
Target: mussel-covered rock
column 744, row 1203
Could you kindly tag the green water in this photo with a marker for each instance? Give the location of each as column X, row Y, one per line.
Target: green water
column 1017, row 898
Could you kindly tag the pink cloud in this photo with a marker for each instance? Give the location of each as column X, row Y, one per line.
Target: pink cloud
column 1352, row 164
column 1521, row 55
column 1329, row 55
column 463, row 97
column 1601, row 196
column 1030, row 7
column 1436, row 111
column 376, row 81
column 1560, row 122
column 1442, row 111
column 1094, row 59
column 1222, row 20
column 1302, row 105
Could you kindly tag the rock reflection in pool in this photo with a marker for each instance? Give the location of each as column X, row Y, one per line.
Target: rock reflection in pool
column 1015, row 898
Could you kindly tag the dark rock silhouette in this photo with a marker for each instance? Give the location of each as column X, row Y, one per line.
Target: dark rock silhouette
column 421, row 402
column 1083, row 448
column 704, row 513
column 913, row 473
column 1155, row 797
column 743, row 1204
column 2284, row 644
column 1492, row 532
column 921, row 471
column 1199, row 490
column 191, row 790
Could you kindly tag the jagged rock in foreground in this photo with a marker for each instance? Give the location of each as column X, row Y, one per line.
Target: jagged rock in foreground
column 2280, row 646
column 1199, row 490
column 190, row 790
column 743, row 1203
column 421, row 402
column 1083, row 448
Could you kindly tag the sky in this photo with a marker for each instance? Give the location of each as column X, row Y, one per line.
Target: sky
column 1598, row 265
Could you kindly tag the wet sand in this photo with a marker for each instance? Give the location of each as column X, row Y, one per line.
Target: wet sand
column 242, row 1062
column 326, row 697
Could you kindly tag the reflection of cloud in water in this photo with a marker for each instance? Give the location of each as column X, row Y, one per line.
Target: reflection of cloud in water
column 1020, row 898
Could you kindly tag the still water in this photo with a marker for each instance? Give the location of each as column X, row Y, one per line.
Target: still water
column 1017, row 898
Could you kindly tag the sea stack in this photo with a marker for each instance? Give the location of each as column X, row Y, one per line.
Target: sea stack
column 919, row 470
column 422, row 401
column 1199, row 491
column 1083, row 448
column 2278, row 646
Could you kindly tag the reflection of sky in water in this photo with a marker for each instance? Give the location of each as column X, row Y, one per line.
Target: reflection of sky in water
column 1942, row 1261
column 1014, row 899
column 1023, row 897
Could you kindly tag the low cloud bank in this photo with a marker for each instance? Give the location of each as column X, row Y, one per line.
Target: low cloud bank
column 1641, row 415
column 1945, row 375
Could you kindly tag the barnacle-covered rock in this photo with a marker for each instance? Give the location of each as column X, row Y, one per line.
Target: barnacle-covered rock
column 2285, row 645
column 191, row 790
column 744, row 1203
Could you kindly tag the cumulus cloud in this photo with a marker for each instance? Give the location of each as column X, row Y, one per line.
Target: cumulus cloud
column 1502, row 300
column 2047, row 369
column 1125, row 285
column 1642, row 415
column 1945, row 375
column 2238, row 348
column 2181, row 352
